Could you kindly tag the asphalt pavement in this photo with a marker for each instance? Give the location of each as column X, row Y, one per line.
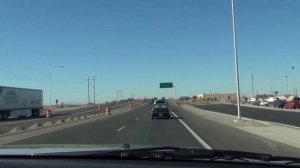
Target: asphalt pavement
column 183, row 129
column 134, row 127
column 7, row 125
column 277, row 116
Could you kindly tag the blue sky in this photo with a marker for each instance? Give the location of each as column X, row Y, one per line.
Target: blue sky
column 135, row 44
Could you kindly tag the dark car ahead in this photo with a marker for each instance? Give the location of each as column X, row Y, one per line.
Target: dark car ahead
column 160, row 111
column 279, row 103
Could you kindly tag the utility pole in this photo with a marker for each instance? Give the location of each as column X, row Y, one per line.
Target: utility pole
column 88, row 90
column 93, row 84
column 94, row 90
column 287, row 85
column 117, row 99
column 252, row 87
column 271, row 90
column 121, row 93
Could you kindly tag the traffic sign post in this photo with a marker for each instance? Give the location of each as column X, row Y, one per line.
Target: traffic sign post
column 166, row 85
column 276, row 93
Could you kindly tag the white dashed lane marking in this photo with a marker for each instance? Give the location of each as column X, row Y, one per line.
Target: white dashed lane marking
column 203, row 143
column 120, row 129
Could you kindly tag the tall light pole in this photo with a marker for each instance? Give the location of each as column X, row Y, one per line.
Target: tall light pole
column 88, row 90
column 236, row 60
column 294, row 91
column 287, row 85
column 174, row 91
column 50, row 83
column 252, row 86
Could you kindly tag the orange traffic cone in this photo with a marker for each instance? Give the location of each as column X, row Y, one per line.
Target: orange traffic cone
column 48, row 113
column 107, row 110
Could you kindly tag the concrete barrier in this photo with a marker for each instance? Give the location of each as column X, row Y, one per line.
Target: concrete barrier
column 16, row 129
column 75, row 118
column 69, row 119
column 83, row 117
column 46, row 124
column 36, row 125
column 59, row 122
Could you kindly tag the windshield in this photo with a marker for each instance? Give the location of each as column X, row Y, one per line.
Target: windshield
column 89, row 72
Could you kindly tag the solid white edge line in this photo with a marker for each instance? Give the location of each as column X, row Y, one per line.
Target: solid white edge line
column 203, row 143
column 120, row 129
column 137, row 118
column 285, row 125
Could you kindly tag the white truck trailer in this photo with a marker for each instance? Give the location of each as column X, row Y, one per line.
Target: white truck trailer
column 15, row 99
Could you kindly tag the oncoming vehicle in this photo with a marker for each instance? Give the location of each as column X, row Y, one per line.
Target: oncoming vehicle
column 160, row 111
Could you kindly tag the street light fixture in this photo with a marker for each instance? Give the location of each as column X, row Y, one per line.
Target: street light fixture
column 50, row 82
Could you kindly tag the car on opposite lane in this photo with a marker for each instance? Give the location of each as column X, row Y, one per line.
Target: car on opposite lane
column 160, row 111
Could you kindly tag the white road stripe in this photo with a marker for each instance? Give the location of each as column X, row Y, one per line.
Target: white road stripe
column 120, row 129
column 137, row 118
column 204, row 144
column 285, row 125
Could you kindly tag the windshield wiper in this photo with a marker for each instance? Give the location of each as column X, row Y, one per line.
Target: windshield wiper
column 179, row 153
column 199, row 154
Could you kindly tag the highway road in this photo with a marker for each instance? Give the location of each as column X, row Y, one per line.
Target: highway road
column 278, row 116
column 7, row 125
column 183, row 129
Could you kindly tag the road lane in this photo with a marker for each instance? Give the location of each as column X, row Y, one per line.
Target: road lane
column 5, row 126
column 223, row 137
column 124, row 128
column 278, row 116
column 120, row 129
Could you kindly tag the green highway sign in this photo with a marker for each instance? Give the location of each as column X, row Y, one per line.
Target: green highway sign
column 276, row 92
column 166, row 85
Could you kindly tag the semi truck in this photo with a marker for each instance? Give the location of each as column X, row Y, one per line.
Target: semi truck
column 14, row 99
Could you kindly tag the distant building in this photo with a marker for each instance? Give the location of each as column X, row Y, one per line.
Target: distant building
column 200, row 96
column 223, row 97
column 287, row 98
